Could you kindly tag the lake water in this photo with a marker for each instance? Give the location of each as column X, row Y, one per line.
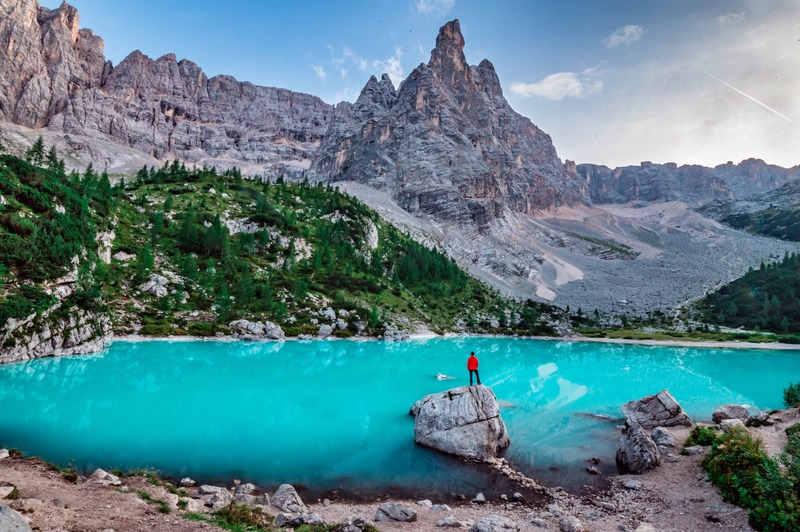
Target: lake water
column 333, row 415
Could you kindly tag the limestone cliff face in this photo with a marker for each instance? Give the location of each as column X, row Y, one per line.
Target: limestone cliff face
column 54, row 75
column 693, row 184
column 447, row 143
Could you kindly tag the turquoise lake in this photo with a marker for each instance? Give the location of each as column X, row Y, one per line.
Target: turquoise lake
column 333, row 415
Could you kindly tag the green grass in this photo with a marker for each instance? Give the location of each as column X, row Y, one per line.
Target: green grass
column 163, row 506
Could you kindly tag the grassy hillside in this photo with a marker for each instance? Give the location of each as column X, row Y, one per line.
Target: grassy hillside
column 196, row 249
column 767, row 299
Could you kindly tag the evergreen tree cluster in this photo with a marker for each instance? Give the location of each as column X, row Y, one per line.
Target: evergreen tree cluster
column 47, row 220
column 767, row 298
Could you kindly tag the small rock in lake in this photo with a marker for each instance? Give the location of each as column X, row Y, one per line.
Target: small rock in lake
column 479, row 498
column 592, row 470
column 517, row 497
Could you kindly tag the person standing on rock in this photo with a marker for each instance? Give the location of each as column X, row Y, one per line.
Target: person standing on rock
column 472, row 366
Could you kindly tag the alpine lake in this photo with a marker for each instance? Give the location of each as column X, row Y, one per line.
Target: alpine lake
column 333, row 416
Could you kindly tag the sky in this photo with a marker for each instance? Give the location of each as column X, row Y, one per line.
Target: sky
column 614, row 82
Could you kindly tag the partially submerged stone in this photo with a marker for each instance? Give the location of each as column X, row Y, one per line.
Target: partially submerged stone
column 463, row 421
column 659, row 410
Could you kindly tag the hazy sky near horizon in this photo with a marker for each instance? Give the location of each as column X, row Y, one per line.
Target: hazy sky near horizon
column 613, row 82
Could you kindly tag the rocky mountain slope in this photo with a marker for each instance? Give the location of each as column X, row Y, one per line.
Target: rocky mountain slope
column 53, row 75
column 446, row 144
column 442, row 155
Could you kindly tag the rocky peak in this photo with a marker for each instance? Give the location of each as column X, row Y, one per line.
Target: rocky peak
column 65, row 15
column 447, row 58
column 167, row 58
column 377, row 96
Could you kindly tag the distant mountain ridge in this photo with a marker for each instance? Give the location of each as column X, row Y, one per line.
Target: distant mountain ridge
column 54, row 75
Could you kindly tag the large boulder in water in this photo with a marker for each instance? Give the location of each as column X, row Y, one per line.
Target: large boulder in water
column 464, row 421
column 637, row 452
column 660, row 410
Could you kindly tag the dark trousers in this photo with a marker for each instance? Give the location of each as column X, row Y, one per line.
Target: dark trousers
column 475, row 371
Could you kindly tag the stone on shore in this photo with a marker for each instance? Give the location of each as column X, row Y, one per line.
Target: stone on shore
column 186, row 483
column 463, row 421
column 286, row 498
column 730, row 412
column 659, row 410
column 287, row 521
column 104, row 478
column 494, row 523
column 394, row 511
column 570, row 523
column 637, row 452
column 249, row 495
column 258, row 329
column 727, row 425
column 449, row 522
column 12, row 521
column 3, row 454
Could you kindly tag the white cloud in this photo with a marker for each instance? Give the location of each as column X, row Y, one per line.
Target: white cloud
column 391, row 66
column 437, row 7
column 729, row 18
column 320, row 71
column 624, row 36
column 559, row 86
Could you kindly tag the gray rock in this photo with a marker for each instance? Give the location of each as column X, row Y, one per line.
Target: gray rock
column 494, row 523
column 517, row 497
column 426, row 503
column 395, row 511
column 3, row 454
column 479, row 499
column 328, row 313
column 249, row 495
column 555, row 509
column 694, row 450
column 663, row 437
column 660, row 410
column 258, row 329
column 5, row 491
column 463, row 421
column 341, row 324
column 727, row 425
column 324, row 331
column 104, row 478
column 539, row 523
column 730, row 412
column 286, row 498
column 395, row 335
column 449, row 522
column 191, row 505
column 570, row 523
column 207, row 489
column 637, row 453
column 286, row 521
column 12, row 521
column 645, row 527
column 440, row 508
column 186, row 483
column 632, row 485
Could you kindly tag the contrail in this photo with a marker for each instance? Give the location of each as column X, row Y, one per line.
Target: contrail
column 765, row 106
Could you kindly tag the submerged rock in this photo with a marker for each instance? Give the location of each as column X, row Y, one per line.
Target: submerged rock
column 637, row 452
column 660, row 410
column 463, row 421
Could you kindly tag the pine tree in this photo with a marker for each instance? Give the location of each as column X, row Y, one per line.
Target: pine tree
column 52, row 158
column 35, row 153
column 144, row 263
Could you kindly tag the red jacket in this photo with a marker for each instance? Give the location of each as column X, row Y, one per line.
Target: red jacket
column 472, row 363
